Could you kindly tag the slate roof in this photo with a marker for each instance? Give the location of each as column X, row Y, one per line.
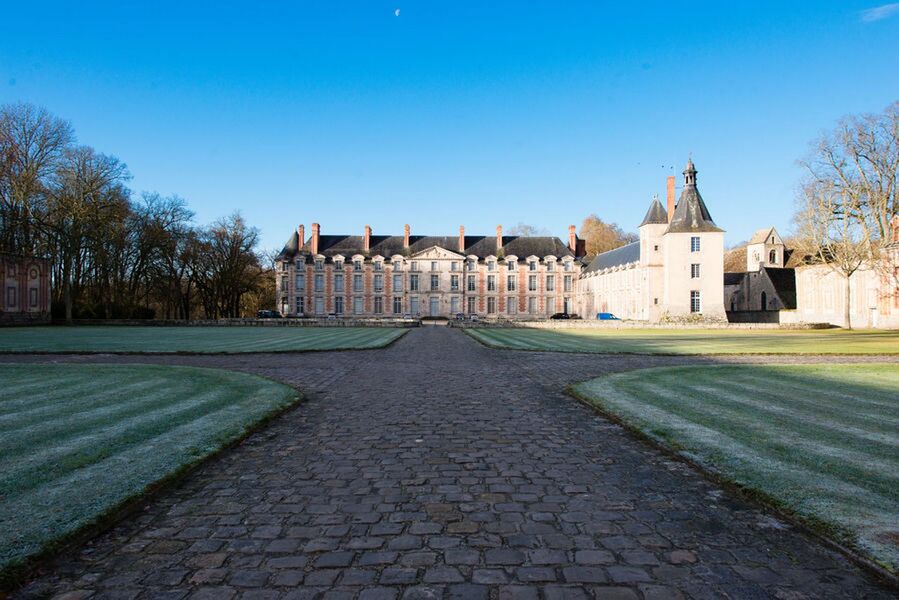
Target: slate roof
column 691, row 214
column 733, row 278
column 614, row 258
column 656, row 215
column 784, row 281
column 389, row 245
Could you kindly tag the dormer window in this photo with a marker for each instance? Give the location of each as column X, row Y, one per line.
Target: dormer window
column 378, row 265
column 512, row 265
column 397, row 265
column 357, row 265
column 491, row 265
column 338, row 264
column 319, row 264
column 472, row 264
column 532, row 265
column 550, row 265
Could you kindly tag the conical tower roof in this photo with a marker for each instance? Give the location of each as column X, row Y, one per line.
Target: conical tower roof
column 656, row 215
column 691, row 213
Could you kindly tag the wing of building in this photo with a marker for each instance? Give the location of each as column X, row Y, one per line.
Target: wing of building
column 26, row 290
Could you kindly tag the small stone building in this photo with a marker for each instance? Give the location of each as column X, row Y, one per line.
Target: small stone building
column 25, row 290
column 767, row 284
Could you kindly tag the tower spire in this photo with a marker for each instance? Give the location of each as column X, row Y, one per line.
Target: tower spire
column 690, row 173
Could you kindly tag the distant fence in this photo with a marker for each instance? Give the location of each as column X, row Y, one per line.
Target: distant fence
column 285, row 322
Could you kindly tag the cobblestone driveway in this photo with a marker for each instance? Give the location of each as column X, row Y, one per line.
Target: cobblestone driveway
column 438, row 468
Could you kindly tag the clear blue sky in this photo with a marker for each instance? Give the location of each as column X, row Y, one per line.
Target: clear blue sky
column 475, row 112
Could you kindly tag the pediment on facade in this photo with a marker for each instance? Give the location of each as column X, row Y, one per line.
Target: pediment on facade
column 436, row 253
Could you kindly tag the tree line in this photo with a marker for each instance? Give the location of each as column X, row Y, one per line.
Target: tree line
column 114, row 253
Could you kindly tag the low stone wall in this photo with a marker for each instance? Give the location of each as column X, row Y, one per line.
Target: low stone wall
column 285, row 322
column 579, row 324
column 18, row 319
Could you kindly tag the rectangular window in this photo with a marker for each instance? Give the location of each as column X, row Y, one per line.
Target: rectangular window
column 379, row 265
column 694, row 243
column 357, row 265
column 357, row 283
column 379, row 305
column 695, row 302
column 454, row 266
column 532, row 266
column 301, row 283
column 435, row 282
column 566, row 303
column 491, row 306
column 472, row 305
column 566, row 283
column 472, row 264
column 433, row 265
column 338, row 282
column 532, row 283
column 454, row 283
column 413, row 283
column 357, row 305
column 471, row 283
column 11, row 297
column 397, row 305
column 510, row 282
column 285, row 265
column 694, row 271
column 414, row 266
column 491, row 283
column 550, row 306
column 454, row 305
column 300, row 307
column 413, row 305
column 319, row 282
column 512, row 265
column 379, row 282
column 338, row 305
column 397, row 265
column 568, row 265
column 284, row 283
column 550, row 283
column 532, row 306
column 397, row 283
column 319, row 265
column 511, row 306
column 550, row 265
column 491, row 266
column 319, row 306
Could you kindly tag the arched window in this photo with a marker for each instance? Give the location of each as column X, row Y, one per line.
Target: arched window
column 772, row 257
column 764, row 301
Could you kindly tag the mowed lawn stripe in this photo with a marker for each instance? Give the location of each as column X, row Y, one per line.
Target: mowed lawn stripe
column 768, row 437
column 233, row 340
column 63, row 484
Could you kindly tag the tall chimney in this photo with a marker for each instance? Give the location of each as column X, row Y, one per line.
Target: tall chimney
column 367, row 241
column 572, row 238
column 461, row 238
column 315, row 232
column 301, row 236
column 670, row 198
column 499, row 238
column 406, row 236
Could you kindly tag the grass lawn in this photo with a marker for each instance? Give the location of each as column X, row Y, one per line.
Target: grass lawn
column 193, row 339
column 821, row 441
column 76, row 441
column 691, row 341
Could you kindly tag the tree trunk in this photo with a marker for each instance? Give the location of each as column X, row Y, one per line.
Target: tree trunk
column 847, row 312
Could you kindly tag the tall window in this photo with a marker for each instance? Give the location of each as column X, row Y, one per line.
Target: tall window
column 532, row 305
column 472, row 305
column 550, row 283
column 491, row 306
column 338, row 282
column 532, row 283
column 414, row 266
column 471, row 283
column 454, row 304
column 284, row 283
column 413, row 283
column 511, row 306
column 566, row 282
column 379, row 282
column 357, row 283
column 397, row 305
column 397, row 283
column 413, row 305
column 772, row 257
column 319, row 265
column 550, row 306
column 694, row 271
column 510, row 282
column 379, row 305
column 694, row 243
column 435, row 282
column 319, row 282
column 301, row 282
column 357, row 305
column 491, row 283
column 299, row 305
column 338, row 305
column 319, row 306
column 433, row 265
column 532, row 266
column 695, row 301
column 454, row 283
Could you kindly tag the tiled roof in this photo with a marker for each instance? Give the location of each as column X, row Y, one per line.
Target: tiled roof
column 614, row 258
column 656, row 215
column 691, row 214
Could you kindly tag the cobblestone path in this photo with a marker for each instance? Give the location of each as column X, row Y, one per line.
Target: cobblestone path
column 438, row 468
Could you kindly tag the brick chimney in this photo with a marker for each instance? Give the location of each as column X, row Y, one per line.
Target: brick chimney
column 301, row 236
column 499, row 238
column 366, row 243
column 572, row 239
column 315, row 234
column 406, row 231
column 461, row 238
column 670, row 198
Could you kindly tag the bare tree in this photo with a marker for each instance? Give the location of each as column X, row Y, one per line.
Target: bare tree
column 850, row 196
column 601, row 236
column 525, row 230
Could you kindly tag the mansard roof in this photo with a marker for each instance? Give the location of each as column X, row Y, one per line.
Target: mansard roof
column 691, row 214
column 615, row 258
column 389, row 245
column 656, row 215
